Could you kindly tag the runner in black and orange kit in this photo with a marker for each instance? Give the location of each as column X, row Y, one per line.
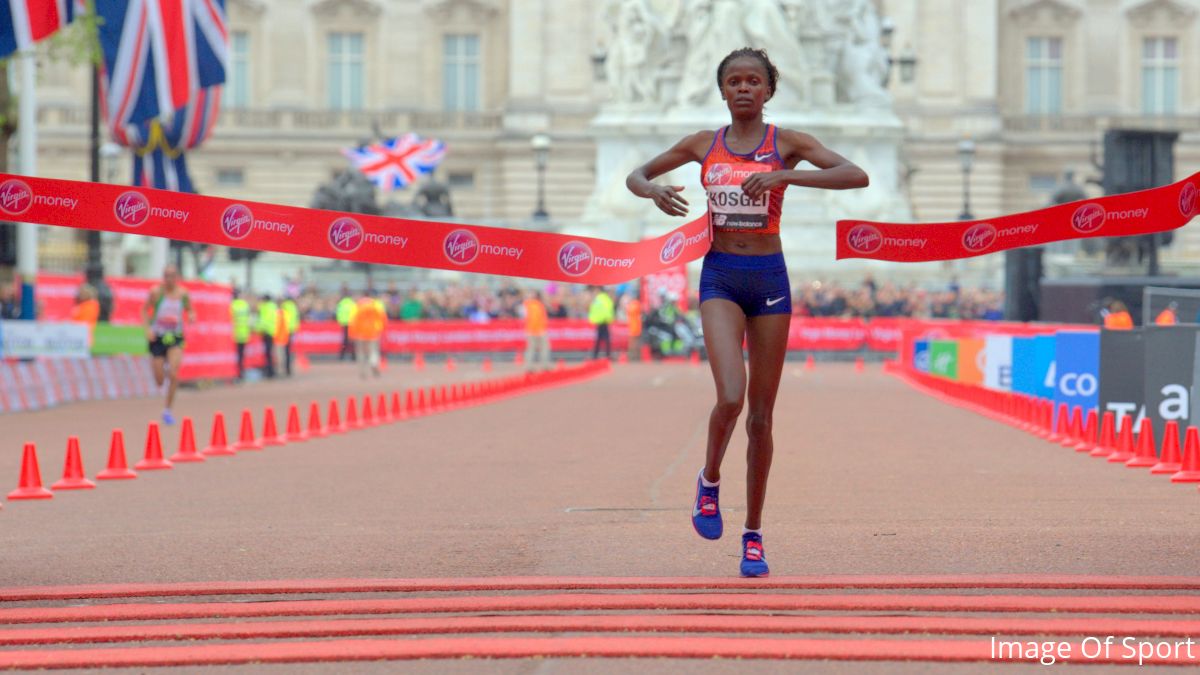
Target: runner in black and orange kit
column 744, row 290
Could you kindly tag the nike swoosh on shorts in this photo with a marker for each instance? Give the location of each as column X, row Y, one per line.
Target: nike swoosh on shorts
column 776, row 301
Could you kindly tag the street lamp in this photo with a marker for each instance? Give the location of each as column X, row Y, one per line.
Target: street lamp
column 966, row 157
column 907, row 59
column 541, row 153
column 599, row 56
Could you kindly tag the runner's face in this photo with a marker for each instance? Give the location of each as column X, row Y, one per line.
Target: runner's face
column 745, row 87
column 170, row 276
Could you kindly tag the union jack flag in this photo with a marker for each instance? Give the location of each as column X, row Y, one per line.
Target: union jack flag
column 158, row 54
column 396, row 163
column 24, row 22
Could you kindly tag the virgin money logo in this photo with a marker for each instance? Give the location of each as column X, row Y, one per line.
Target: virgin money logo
column 575, row 258
column 237, row 222
column 1088, row 218
column 15, row 197
column 672, row 247
column 719, row 174
column 979, row 237
column 864, row 239
column 132, row 209
column 461, row 247
column 1187, row 199
column 345, row 235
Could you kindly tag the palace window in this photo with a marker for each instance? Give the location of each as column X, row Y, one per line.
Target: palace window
column 346, row 71
column 1043, row 76
column 1160, row 75
column 460, row 72
column 236, row 93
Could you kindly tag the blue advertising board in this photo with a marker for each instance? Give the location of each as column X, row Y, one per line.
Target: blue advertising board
column 921, row 355
column 1077, row 370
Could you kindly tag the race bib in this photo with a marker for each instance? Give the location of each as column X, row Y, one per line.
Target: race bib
column 732, row 209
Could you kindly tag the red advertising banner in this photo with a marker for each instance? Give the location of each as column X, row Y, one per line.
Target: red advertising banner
column 1143, row 212
column 330, row 234
column 501, row 335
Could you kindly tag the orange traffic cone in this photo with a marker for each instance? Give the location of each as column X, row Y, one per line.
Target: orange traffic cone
column 382, row 416
column 419, row 361
column 449, row 364
column 397, row 407
column 333, row 424
column 72, row 478
column 694, row 358
column 519, row 358
column 487, row 364
column 117, row 468
column 30, row 484
column 1074, row 428
column 1190, row 471
column 315, row 430
column 1059, row 429
column 859, row 365
column 1124, row 451
column 294, row 431
column 153, row 459
column 1108, row 442
column 187, row 444
column 421, row 402
column 217, row 445
column 368, row 416
column 810, row 363
column 352, row 414
column 645, row 354
column 622, row 358
column 1087, row 439
column 246, row 440
column 271, row 435
column 1169, row 460
column 1147, row 452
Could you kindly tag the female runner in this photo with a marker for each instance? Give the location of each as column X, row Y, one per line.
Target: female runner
column 744, row 291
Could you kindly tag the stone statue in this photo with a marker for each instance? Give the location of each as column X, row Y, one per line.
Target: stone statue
column 636, row 53
column 433, row 199
column 716, row 27
column 862, row 61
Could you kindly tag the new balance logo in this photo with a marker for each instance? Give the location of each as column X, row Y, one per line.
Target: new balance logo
column 759, row 158
column 776, row 301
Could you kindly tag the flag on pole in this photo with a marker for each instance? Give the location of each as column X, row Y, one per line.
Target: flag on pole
column 158, row 54
column 24, row 22
column 395, row 163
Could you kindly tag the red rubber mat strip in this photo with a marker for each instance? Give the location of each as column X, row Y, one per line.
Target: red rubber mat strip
column 1157, row 604
column 295, row 586
column 435, row 648
column 686, row 623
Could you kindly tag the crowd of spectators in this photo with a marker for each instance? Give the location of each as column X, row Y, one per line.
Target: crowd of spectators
column 818, row 299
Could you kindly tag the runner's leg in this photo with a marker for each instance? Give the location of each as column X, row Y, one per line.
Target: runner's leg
column 767, row 341
column 724, row 328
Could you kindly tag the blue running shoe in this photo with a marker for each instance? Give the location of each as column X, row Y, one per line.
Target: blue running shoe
column 706, row 513
column 168, row 418
column 754, row 562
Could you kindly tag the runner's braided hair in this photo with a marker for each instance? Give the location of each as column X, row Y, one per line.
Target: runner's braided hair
column 761, row 56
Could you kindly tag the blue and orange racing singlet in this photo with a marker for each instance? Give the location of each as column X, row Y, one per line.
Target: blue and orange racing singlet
column 722, row 173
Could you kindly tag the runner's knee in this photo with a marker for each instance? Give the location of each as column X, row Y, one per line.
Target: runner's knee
column 758, row 423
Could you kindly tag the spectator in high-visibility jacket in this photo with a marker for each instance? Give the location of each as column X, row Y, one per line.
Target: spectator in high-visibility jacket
column 366, row 329
column 268, row 319
column 1168, row 317
column 600, row 315
column 291, row 314
column 345, row 314
column 537, row 342
column 1117, row 316
column 239, row 315
column 633, row 316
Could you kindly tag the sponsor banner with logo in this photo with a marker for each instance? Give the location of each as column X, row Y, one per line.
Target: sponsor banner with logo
column 1076, row 370
column 997, row 362
column 943, row 358
column 1122, row 372
column 920, row 356
column 1155, row 210
column 28, row 339
column 971, row 360
column 885, row 335
column 1032, row 365
column 826, row 334
column 330, row 234
column 506, row 335
column 1170, row 361
column 671, row 282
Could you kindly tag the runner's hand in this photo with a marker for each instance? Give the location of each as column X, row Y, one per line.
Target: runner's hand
column 667, row 199
column 763, row 182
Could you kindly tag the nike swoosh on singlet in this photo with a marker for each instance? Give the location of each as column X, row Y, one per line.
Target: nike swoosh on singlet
column 776, row 301
column 759, row 158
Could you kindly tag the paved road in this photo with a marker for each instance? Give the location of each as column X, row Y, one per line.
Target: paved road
column 593, row 479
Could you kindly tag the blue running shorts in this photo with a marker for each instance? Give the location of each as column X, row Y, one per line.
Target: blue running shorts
column 756, row 283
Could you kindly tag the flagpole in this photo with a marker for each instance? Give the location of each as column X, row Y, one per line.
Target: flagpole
column 27, row 233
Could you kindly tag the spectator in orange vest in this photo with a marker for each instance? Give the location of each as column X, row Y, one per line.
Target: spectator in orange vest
column 1117, row 316
column 537, row 342
column 87, row 307
column 633, row 316
column 366, row 330
column 1168, row 316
